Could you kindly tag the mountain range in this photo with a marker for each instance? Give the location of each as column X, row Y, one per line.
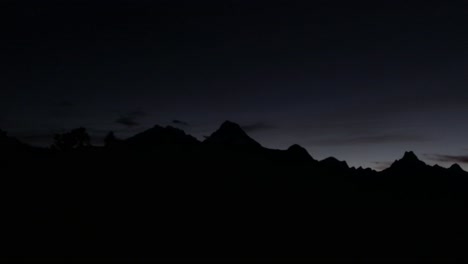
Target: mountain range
column 231, row 138
column 164, row 195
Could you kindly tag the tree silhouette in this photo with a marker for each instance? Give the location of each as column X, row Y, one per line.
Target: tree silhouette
column 77, row 138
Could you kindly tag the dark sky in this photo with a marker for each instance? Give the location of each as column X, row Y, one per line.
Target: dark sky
column 359, row 80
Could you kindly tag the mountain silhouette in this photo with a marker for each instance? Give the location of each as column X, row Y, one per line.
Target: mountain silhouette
column 455, row 168
column 334, row 164
column 164, row 195
column 298, row 153
column 231, row 134
column 158, row 135
column 409, row 162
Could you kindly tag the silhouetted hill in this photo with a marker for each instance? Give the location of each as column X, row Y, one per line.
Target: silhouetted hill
column 231, row 134
column 332, row 164
column 163, row 195
column 299, row 154
column 456, row 169
column 161, row 136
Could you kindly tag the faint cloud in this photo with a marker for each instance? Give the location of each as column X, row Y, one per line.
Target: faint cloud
column 382, row 165
column 130, row 119
column 127, row 121
column 371, row 139
column 447, row 158
column 180, row 122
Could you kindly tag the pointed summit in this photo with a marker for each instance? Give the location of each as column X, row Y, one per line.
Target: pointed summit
column 409, row 161
column 231, row 134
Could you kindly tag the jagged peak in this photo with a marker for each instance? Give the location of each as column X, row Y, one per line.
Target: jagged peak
column 409, row 160
column 410, row 156
column 362, row 169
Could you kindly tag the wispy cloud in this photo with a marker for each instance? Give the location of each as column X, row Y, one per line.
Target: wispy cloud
column 127, row 121
column 180, row 122
column 370, row 139
column 130, row 119
column 447, row 158
column 382, row 165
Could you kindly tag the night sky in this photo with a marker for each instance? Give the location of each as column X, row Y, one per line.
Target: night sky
column 362, row 81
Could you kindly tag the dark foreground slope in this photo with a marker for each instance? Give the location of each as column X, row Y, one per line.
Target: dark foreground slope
column 163, row 195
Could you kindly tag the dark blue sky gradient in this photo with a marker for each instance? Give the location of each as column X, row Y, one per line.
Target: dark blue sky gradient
column 359, row 80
